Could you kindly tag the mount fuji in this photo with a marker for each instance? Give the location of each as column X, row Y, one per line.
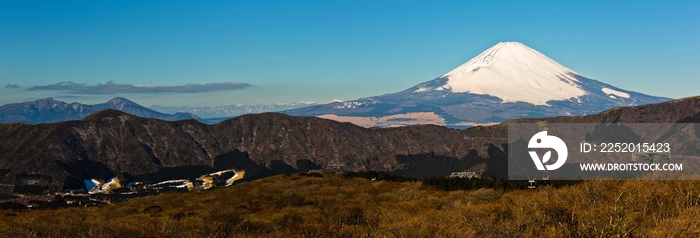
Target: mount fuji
column 509, row 80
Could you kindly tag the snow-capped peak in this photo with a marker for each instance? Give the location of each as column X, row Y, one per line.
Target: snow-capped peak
column 119, row 101
column 514, row 72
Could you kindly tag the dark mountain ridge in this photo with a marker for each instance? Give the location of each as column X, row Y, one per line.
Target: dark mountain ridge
column 134, row 145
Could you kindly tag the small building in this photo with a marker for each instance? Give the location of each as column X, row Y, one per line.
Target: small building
column 531, row 183
column 464, row 174
column 545, row 181
column 650, row 156
column 336, row 166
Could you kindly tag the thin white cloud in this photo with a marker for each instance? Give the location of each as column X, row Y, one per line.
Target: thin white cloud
column 113, row 88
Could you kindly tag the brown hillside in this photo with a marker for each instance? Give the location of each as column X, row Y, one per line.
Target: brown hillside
column 136, row 145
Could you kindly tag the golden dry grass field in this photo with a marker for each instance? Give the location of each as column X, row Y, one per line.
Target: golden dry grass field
column 335, row 206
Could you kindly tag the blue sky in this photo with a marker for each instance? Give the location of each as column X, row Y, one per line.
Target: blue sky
column 252, row 52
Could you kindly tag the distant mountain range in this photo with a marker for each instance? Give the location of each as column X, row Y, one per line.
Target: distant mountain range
column 49, row 110
column 120, row 143
column 508, row 80
column 232, row 110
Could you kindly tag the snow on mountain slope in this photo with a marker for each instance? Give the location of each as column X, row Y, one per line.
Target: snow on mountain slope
column 615, row 92
column 514, row 72
column 508, row 80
